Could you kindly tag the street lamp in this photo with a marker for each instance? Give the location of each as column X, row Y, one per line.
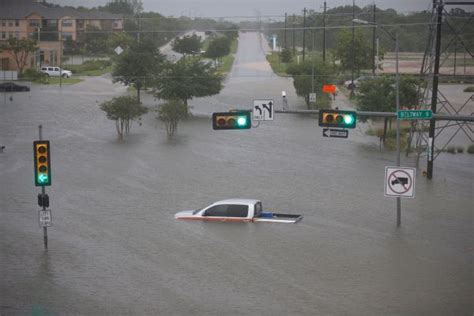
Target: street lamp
column 397, row 96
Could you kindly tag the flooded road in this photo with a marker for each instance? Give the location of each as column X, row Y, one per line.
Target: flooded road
column 115, row 248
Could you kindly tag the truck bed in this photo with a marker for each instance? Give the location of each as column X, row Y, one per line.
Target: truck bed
column 277, row 218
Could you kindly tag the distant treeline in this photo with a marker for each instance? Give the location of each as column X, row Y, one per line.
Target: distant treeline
column 412, row 28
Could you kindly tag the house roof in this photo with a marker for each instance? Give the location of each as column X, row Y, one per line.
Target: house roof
column 19, row 9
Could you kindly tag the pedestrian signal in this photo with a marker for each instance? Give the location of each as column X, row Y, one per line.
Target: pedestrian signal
column 337, row 118
column 42, row 163
column 231, row 120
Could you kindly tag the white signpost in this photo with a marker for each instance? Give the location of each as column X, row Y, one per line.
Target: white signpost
column 45, row 218
column 312, row 97
column 263, row 110
column 400, row 182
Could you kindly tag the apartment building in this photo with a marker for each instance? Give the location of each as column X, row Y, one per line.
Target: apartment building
column 50, row 26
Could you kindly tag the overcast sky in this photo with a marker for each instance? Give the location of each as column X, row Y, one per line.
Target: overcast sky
column 249, row 8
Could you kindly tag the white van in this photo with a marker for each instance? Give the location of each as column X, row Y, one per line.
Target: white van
column 56, row 72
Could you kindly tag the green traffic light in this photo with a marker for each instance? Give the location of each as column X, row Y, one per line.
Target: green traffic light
column 348, row 119
column 42, row 178
column 242, row 121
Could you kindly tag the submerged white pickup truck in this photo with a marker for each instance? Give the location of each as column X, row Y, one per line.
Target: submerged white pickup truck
column 237, row 210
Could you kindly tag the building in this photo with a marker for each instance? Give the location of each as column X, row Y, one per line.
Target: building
column 50, row 26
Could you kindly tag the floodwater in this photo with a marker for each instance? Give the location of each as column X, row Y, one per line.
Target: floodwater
column 115, row 248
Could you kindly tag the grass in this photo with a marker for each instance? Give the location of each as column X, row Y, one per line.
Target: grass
column 91, row 68
column 278, row 67
column 64, row 81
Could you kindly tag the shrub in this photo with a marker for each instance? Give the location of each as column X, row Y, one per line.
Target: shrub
column 470, row 149
column 469, row 89
column 460, row 149
column 451, row 149
column 33, row 75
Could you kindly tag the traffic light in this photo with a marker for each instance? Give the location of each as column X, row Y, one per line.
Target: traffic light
column 231, row 120
column 42, row 163
column 337, row 118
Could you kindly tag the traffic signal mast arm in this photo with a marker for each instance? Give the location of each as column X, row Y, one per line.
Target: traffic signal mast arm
column 438, row 117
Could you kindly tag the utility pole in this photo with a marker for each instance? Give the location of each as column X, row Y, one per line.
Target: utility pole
column 373, row 41
column 324, row 32
column 304, row 32
column 294, row 33
column 434, row 92
column 353, row 52
column 286, row 18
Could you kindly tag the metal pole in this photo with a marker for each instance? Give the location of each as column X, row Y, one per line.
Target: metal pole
column 434, row 94
column 353, row 53
column 60, row 58
column 397, row 83
column 324, row 32
column 304, row 32
column 294, row 31
column 43, row 192
column 373, row 41
column 286, row 18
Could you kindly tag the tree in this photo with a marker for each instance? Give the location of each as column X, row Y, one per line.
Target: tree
column 185, row 80
column 286, row 55
column 218, row 48
column 119, row 39
column 308, row 74
column 171, row 113
column 190, row 44
column 123, row 110
column 136, row 65
column 360, row 53
column 94, row 40
column 20, row 49
column 379, row 93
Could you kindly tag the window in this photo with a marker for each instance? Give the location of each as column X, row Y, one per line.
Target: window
column 10, row 23
column 17, row 34
column 217, row 210
column 10, row 35
column 227, row 210
column 17, row 22
column 67, row 35
column 35, row 23
column 67, row 23
column 237, row 210
column 258, row 209
column 4, row 35
column 4, row 23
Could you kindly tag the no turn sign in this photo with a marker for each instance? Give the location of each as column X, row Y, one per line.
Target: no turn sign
column 400, row 182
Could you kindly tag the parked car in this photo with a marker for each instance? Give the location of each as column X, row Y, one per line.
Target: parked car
column 12, row 87
column 56, row 72
column 348, row 83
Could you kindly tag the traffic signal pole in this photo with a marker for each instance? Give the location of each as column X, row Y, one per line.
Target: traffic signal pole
column 43, row 192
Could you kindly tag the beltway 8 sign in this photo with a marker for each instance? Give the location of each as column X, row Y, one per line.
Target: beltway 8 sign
column 400, row 182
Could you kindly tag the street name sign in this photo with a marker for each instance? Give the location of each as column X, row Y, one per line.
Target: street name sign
column 45, row 218
column 415, row 114
column 334, row 132
column 400, row 182
column 263, row 110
